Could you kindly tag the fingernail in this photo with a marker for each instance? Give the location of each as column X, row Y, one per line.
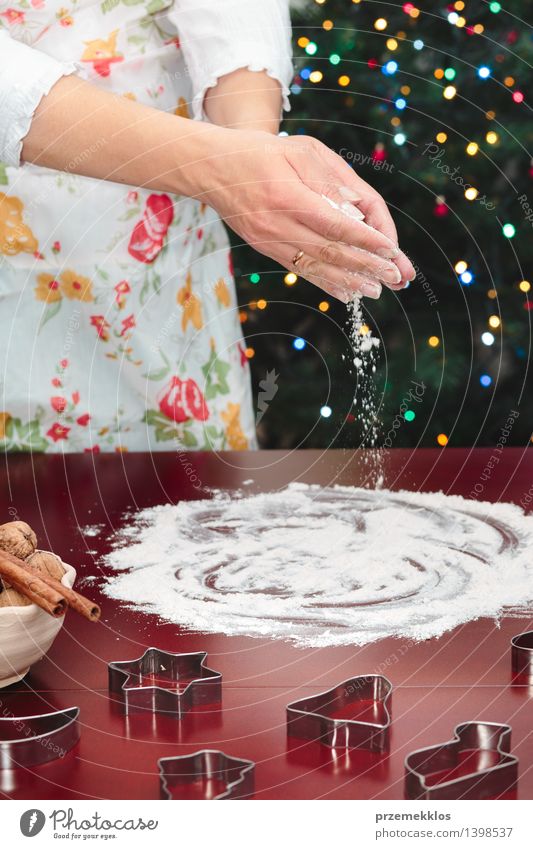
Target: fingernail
column 351, row 210
column 349, row 194
column 388, row 253
column 371, row 290
column 390, row 274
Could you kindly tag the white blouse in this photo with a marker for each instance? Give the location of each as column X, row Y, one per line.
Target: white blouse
column 216, row 38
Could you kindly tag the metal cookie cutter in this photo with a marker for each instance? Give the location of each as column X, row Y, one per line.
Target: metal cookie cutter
column 522, row 655
column 328, row 717
column 32, row 740
column 495, row 773
column 162, row 682
column 222, row 776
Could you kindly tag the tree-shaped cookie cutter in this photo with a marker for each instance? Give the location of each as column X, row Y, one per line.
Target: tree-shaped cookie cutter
column 207, row 765
column 310, row 718
column 487, row 782
column 164, row 682
column 27, row 741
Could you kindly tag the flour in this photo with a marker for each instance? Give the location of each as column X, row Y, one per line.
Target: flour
column 92, row 530
column 364, row 349
column 326, row 566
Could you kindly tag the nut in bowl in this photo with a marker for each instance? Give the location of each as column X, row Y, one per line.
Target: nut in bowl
column 26, row 630
column 35, row 591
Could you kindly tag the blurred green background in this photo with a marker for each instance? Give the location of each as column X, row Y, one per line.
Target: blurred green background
column 429, row 104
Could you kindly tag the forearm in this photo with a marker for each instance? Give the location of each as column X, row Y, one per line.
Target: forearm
column 245, row 100
column 80, row 128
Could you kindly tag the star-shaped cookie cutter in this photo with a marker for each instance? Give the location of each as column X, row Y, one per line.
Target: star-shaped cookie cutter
column 491, row 739
column 208, row 766
column 164, row 682
column 27, row 741
column 522, row 656
column 312, row 718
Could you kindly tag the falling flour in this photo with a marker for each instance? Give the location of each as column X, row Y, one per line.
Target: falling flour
column 365, row 403
column 326, row 566
column 364, row 358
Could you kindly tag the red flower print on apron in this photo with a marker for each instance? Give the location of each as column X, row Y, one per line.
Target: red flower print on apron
column 182, row 400
column 149, row 233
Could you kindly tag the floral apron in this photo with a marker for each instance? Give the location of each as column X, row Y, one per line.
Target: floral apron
column 118, row 317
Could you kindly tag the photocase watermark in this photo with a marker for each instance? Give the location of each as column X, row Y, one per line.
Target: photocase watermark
column 189, row 468
column 415, row 395
column 209, row 293
column 165, row 331
column 382, row 667
column 24, row 730
column 527, row 498
column 525, row 206
column 436, row 154
column 65, row 824
column 65, row 820
column 268, row 389
column 85, row 154
column 295, row 148
column 32, row 822
column 369, row 159
column 422, row 280
column 73, row 325
column 494, row 459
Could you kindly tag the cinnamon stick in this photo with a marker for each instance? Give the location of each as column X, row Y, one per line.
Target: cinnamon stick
column 31, row 585
column 76, row 601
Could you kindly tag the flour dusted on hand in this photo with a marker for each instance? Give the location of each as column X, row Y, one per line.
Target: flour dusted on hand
column 326, row 566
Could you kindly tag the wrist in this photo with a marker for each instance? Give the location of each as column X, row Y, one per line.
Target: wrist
column 211, row 160
column 194, row 157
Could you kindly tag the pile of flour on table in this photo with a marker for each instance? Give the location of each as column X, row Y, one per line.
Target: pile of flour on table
column 326, row 566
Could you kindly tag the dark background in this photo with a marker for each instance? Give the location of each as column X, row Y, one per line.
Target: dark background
column 438, row 226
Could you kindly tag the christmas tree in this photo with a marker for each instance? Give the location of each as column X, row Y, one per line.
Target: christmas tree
column 428, row 105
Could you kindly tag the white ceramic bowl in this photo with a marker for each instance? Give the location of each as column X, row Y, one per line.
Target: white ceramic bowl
column 26, row 634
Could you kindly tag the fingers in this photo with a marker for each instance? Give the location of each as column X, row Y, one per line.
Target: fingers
column 334, row 291
column 377, row 215
column 371, row 203
column 334, row 226
column 346, row 257
column 336, row 281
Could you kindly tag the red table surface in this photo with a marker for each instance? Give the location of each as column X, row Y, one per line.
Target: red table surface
column 464, row 675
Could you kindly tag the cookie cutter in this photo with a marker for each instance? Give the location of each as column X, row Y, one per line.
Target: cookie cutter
column 522, row 655
column 310, row 719
column 209, row 765
column 487, row 782
column 164, row 682
column 27, row 741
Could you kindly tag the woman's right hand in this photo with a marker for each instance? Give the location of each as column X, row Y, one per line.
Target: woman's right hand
column 271, row 191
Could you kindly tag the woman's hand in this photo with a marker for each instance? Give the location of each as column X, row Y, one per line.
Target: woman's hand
column 272, row 191
column 268, row 189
